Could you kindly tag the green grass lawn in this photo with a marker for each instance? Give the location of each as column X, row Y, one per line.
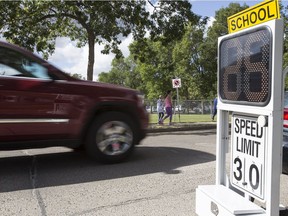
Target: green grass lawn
column 184, row 118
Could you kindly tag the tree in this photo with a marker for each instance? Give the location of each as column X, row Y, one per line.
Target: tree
column 155, row 66
column 193, row 58
column 36, row 24
column 186, row 57
column 117, row 74
column 76, row 75
column 123, row 72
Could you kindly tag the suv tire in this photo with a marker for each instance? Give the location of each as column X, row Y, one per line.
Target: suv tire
column 111, row 138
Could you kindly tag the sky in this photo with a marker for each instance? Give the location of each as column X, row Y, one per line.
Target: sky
column 71, row 59
column 208, row 8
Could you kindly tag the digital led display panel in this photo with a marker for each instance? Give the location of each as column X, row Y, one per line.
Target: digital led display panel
column 245, row 68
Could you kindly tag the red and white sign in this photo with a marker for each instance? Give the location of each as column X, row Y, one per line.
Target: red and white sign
column 176, row 83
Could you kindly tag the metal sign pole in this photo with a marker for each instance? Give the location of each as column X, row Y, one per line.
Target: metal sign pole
column 176, row 83
column 178, row 104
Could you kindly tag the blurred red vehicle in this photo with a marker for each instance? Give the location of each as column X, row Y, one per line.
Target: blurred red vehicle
column 285, row 135
column 40, row 106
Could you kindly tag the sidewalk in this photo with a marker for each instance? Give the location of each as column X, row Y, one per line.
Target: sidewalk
column 154, row 128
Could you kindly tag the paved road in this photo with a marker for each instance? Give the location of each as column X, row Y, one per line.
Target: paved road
column 160, row 179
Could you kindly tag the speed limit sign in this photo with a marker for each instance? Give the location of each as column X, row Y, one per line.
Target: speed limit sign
column 248, row 154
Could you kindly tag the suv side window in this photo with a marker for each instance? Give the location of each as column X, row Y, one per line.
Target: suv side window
column 15, row 64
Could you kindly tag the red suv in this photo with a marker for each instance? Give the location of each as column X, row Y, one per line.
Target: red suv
column 40, row 106
column 285, row 135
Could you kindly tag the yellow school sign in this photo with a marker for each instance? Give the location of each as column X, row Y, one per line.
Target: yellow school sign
column 262, row 12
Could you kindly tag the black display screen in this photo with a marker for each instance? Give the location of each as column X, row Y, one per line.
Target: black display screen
column 245, row 68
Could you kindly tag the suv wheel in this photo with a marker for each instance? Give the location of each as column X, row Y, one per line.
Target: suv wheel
column 111, row 137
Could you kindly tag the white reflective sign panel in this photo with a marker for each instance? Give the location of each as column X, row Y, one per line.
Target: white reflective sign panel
column 248, row 155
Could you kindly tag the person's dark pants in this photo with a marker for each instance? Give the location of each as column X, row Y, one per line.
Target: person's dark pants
column 160, row 116
column 214, row 114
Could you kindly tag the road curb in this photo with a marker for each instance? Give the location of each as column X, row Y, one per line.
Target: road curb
column 155, row 128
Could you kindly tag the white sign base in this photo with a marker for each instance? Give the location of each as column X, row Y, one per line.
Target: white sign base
column 219, row 200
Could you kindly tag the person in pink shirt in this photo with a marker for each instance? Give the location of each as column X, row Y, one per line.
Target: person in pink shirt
column 168, row 107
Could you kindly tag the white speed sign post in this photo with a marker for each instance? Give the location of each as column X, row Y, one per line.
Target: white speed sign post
column 250, row 91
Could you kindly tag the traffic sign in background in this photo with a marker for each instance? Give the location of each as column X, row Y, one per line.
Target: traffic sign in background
column 176, row 83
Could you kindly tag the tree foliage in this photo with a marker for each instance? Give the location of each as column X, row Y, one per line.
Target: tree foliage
column 157, row 64
column 187, row 60
column 193, row 58
column 36, row 24
column 123, row 73
column 76, row 75
column 169, row 42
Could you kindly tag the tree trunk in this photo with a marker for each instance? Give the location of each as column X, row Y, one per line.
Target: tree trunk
column 91, row 56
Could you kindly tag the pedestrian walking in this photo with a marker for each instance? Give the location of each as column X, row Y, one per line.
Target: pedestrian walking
column 214, row 111
column 160, row 109
column 168, row 107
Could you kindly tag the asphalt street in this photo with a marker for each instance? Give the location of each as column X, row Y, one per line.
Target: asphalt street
column 159, row 179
